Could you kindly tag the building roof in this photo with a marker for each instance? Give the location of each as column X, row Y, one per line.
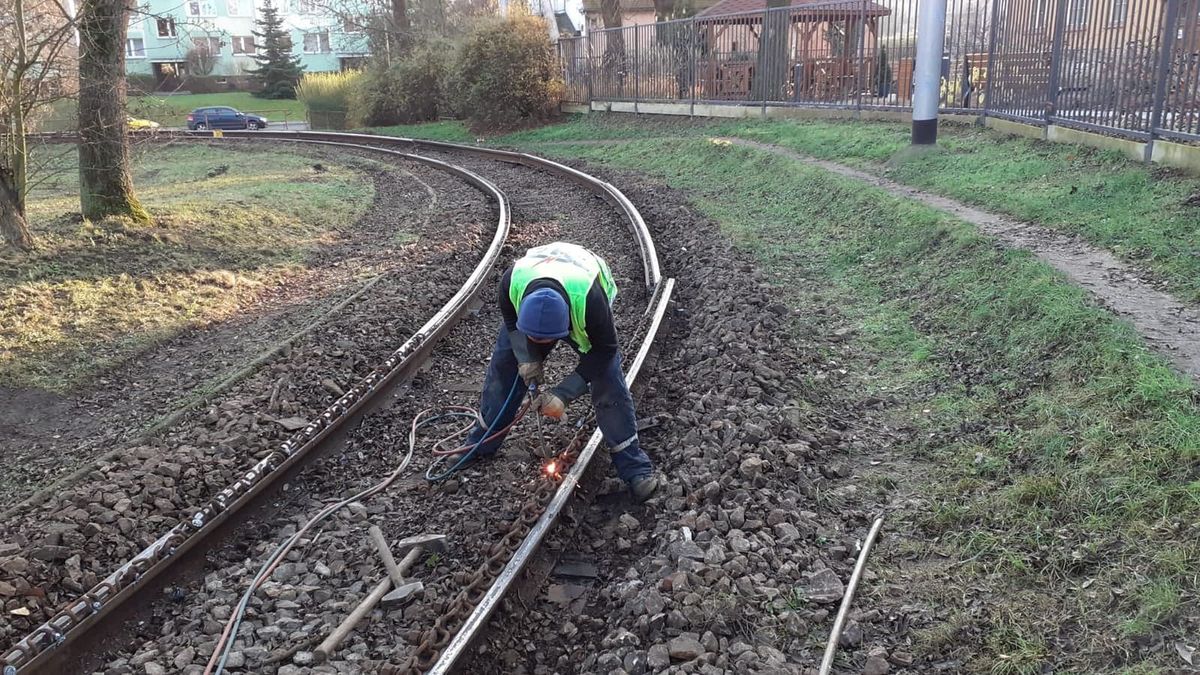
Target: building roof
column 593, row 6
column 842, row 8
column 565, row 25
column 590, row 6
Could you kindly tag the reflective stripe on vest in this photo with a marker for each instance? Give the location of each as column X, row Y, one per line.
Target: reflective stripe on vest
column 574, row 268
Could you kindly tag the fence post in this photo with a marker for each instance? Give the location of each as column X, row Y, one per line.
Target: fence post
column 1056, row 50
column 1163, row 73
column 991, row 59
column 694, row 57
column 862, row 50
column 763, row 77
column 637, row 78
column 591, row 70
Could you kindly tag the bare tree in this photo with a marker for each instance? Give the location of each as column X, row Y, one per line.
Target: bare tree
column 201, row 59
column 614, row 60
column 32, row 73
column 106, row 187
column 392, row 28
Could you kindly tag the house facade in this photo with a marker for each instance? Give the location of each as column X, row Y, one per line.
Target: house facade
column 212, row 41
column 1097, row 24
column 633, row 13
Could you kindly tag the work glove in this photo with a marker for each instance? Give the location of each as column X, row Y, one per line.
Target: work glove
column 550, row 405
column 532, row 372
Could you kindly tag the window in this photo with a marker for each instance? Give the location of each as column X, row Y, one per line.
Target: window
column 1077, row 13
column 316, row 43
column 166, row 26
column 135, row 48
column 1117, row 11
column 240, row 7
column 210, row 45
column 243, row 45
column 200, row 8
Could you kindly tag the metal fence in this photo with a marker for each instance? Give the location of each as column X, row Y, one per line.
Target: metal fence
column 1124, row 67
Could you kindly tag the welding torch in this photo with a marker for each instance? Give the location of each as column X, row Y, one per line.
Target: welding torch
column 533, row 396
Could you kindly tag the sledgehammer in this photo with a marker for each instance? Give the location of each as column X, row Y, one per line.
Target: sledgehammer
column 403, row 588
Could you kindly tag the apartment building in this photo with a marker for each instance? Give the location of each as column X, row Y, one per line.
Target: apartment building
column 171, row 41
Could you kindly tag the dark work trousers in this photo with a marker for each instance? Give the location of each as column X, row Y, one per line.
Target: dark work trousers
column 610, row 396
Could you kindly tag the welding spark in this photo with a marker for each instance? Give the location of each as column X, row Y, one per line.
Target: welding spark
column 551, row 469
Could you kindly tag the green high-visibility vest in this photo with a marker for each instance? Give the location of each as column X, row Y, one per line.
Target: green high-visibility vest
column 574, row 268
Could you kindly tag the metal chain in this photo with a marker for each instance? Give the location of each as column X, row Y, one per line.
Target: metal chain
column 436, row 638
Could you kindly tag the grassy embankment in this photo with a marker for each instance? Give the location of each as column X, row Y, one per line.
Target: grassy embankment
column 171, row 111
column 229, row 224
column 1141, row 216
column 1057, row 456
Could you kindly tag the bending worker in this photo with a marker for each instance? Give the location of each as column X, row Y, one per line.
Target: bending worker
column 562, row 291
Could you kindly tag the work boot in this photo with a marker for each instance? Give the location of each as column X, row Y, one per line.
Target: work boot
column 643, row 487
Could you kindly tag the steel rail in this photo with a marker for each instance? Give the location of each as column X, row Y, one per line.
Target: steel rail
column 477, row 621
column 42, row 644
column 660, row 292
column 606, row 190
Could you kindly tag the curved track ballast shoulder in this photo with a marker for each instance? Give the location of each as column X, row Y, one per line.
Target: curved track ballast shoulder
column 446, row 643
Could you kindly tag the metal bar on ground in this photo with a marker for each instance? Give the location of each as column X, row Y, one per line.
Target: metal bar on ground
column 848, row 598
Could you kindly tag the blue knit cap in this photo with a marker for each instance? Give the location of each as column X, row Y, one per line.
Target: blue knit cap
column 544, row 315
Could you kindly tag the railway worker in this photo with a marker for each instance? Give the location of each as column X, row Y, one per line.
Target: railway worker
column 562, row 292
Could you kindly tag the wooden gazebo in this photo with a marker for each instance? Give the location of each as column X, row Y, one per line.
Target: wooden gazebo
column 820, row 61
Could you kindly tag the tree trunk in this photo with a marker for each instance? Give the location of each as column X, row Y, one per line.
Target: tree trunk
column 770, row 70
column 13, row 178
column 105, row 185
column 12, row 216
column 614, row 50
column 400, row 27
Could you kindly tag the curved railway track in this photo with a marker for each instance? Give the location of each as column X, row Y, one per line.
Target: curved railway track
column 445, row 642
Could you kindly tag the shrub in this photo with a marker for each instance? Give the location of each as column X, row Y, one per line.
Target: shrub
column 408, row 91
column 328, row 97
column 203, row 84
column 507, row 69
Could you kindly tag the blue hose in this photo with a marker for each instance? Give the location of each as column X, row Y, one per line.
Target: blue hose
column 468, row 455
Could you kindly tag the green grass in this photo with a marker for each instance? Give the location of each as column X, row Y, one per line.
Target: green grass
column 173, row 110
column 1139, row 215
column 228, row 225
column 1087, row 442
column 450, row 131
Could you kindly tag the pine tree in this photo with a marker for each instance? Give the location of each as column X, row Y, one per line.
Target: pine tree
column 278, row 69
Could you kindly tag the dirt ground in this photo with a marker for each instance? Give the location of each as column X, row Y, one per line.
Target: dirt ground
column 778, row 457
column 44, row 435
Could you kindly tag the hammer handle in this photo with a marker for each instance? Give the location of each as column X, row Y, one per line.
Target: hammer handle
column 393, row 570
column 330, row 645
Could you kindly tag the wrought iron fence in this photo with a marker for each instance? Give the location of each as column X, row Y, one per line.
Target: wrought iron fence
column 1124, row 67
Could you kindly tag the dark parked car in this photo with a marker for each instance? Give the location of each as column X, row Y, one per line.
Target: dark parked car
column 223, row 118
